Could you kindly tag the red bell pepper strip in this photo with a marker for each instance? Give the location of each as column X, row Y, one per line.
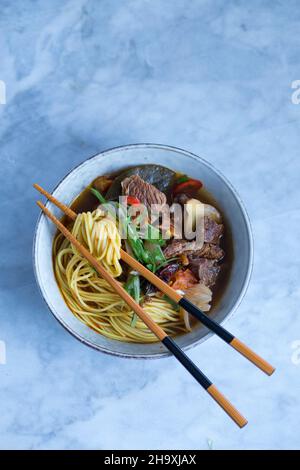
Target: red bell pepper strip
column 132, row 201
column 187, row 186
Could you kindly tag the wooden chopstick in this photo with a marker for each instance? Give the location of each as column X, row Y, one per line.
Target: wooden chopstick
column 178, row 298
column 170, row 344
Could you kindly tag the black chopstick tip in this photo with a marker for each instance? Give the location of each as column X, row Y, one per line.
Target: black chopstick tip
column 186, row 362
column 205, row 319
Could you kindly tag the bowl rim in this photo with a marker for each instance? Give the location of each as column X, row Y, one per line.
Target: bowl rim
column 246, row 280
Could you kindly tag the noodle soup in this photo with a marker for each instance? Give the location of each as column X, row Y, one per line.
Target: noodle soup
column 201, row 273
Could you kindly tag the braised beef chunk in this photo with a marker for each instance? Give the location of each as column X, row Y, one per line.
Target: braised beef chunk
column 177, row 247
column 206, row 270
column 147, row 193
column 212, row 234
column 212, row 231
column 209, row 251
column 159, row 176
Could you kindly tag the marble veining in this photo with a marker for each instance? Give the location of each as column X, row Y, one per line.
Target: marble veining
column 214, row 78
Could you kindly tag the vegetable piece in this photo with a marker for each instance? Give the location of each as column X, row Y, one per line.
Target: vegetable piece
column 138, row 250
column 182, row 179
column 133, row 288
column 148, row 231
column 168, row 272
column 151, row 267
column 200, row 295
column 169, row 260
column 195, row 209
column 186, row 319
column 156, row 253
column 133, row 239
column 136, row 296
column 154, row 235
column 136, row 288
column 212, row 213
column 108, row 206
column 133, row 320
column 163, row 272
column 187, row 186
column 133, row 201
column 136, row 244
column 98, row 195
column 142, row 253
column 183, row 280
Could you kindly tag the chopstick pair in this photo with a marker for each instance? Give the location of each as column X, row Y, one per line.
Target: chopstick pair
column 178, row 298
column 168, row 342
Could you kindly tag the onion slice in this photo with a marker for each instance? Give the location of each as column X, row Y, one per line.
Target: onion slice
column 201, row 296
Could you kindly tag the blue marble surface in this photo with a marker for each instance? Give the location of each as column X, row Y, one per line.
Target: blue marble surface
column 213, row 77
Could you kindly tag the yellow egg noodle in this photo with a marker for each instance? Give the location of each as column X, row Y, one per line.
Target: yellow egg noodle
column 91, row 299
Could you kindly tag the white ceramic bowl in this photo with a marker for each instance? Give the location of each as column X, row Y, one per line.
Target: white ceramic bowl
column 116, row 159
